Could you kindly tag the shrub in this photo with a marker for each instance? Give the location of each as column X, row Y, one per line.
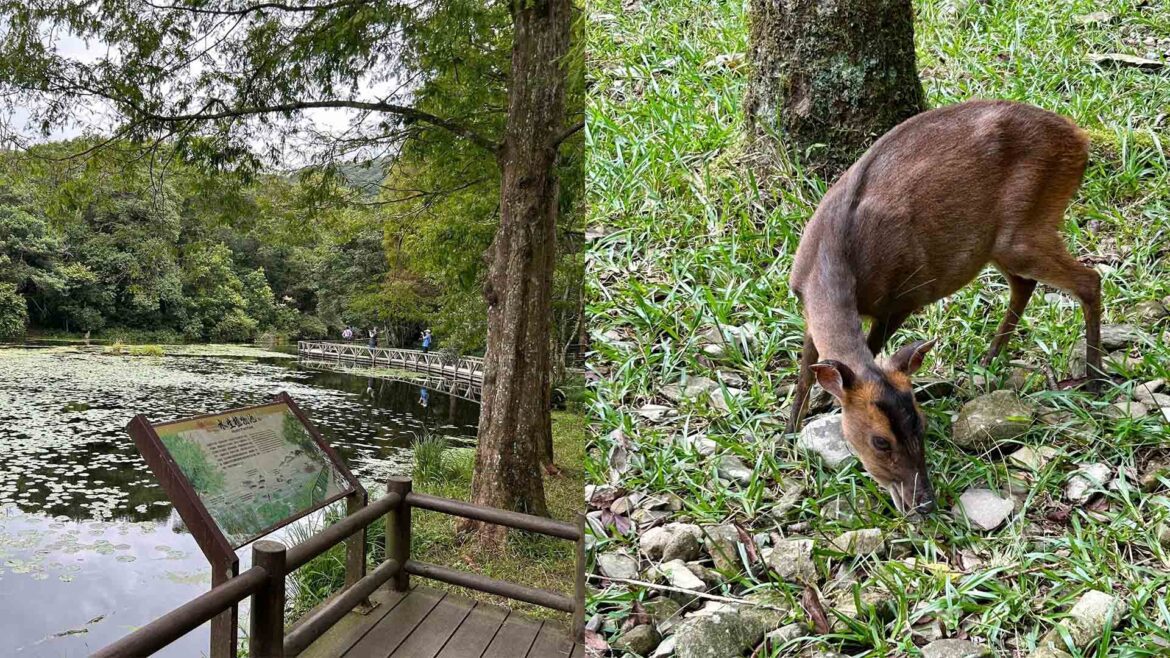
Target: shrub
column 235, row 327
column 311, row 327
column 428, row 458
column 13, row 314
column 193, row 330
column 147, row 350
column 459, row 463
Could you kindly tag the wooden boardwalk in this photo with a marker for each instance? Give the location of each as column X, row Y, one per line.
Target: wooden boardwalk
column 463, row 368
column 427, row 623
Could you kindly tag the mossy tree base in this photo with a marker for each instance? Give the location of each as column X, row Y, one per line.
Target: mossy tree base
column 830, row 76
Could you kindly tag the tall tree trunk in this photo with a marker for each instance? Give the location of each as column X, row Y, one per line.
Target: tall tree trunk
column 514, row 422
column 830, row 76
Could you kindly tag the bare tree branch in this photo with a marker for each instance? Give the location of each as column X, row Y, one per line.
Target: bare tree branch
column 403, row 111
column 569, row 132
column 278, row 6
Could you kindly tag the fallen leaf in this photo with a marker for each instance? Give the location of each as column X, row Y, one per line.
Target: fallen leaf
column 815, row 611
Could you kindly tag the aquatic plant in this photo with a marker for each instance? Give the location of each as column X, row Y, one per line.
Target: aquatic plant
column 147, row 350
column 428, row 457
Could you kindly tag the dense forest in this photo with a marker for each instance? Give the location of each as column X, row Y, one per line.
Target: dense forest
column 128, row 239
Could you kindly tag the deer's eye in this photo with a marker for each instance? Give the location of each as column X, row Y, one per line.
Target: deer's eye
column 879, row 443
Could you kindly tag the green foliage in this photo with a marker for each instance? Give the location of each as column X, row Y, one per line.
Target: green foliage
column 311, row 327
column 527, row 559
column 428, row 457
column 181, row 225
column 13, row 314
column 259, row 302
column 234, row 327
column 147, row 350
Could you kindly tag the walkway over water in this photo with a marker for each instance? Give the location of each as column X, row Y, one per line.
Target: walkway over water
column 462, row 368
column 406, row 622
column 469, row 389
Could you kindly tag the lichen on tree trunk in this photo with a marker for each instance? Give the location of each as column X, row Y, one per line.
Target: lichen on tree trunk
column 830, row 76
column 515, row 422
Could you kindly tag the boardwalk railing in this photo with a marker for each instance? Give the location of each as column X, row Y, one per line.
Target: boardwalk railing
column 466, row 368
column 466, row 388
column 272, row 561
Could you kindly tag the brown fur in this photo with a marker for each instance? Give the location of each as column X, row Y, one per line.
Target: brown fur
column 916, row 218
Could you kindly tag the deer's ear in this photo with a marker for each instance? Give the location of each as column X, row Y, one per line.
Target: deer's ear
column 834, row 376
column 909, row 358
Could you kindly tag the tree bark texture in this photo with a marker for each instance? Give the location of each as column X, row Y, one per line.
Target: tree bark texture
column 515, row 421
column 830, row 76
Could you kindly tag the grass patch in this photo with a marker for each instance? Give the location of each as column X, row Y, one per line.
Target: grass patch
column 526, row 558
column 684, row 241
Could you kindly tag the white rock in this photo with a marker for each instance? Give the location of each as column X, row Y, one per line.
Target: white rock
column 732, row 468
column 1086, row 480
column 1087, row 619
column 691, row 387
column 955, row 649
column 664, row 649
column 1126, row 409
column 1144, row 392
column 823, row 436
column 617, row 565
column 678, row 575
column 655, row 412
column 984, row 508
column 1033, row 458
column 791, row 559
column 860, row 542
column 684, row 544
column 785, row 634
column 719, row 397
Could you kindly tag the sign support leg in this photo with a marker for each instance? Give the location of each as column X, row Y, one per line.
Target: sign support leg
column 224, row 633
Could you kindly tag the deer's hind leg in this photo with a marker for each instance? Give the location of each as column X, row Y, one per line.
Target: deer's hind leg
column 1022, row 288
column 1049, row 262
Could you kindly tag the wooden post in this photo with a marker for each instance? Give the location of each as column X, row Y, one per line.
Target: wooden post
column 579, row 585
column 355, row 546
column 224, row 626
column 398, row 533
column 267, row 625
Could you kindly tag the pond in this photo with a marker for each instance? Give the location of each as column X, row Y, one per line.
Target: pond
column 90, row 548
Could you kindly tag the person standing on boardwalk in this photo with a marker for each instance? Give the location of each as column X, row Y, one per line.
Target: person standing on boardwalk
column 347, row 334
column 426, row 341
column 373, row 337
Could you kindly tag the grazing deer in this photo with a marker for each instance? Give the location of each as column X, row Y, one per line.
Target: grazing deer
column 916, row 218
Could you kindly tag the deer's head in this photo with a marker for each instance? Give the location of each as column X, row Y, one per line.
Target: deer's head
column 883, row 424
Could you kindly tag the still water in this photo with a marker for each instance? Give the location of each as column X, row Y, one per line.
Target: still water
column 89, row 546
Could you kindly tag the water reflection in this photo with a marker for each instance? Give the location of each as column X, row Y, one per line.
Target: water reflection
column 85, row 532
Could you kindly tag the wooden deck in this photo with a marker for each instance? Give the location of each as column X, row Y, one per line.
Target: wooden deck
column 428, row 623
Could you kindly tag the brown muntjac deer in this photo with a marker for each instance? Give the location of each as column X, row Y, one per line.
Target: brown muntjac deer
column 916, row 218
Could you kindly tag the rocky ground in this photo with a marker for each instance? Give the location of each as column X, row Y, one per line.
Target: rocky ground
column 712, row 533
column 695, row 603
